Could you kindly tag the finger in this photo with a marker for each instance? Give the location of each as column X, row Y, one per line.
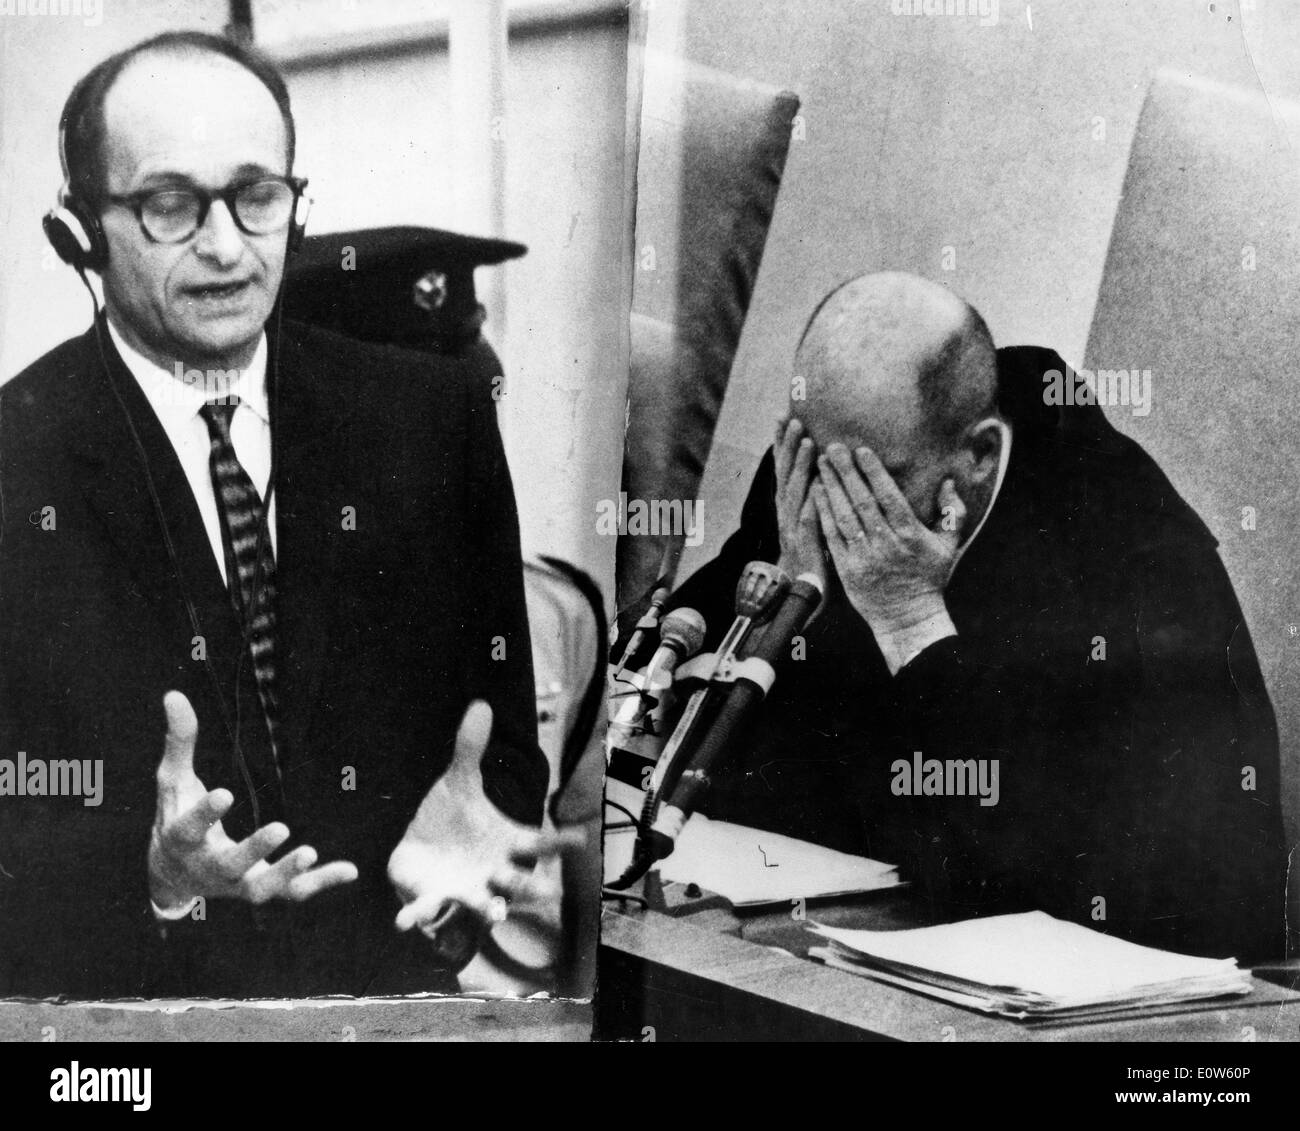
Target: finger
column 471, row 741
column 826, row 520
column 892, row 502
column 192, row 826
column 808, row 512
column 808, row 516
column 865, row 506
column 854, row 488
column 801, row 472
column 788, row 433
column 316, row 880
column 811, row 524
column 178, row 746
column 778, row 452
column 423, row 910
column 954, row 517
column 257, row 846
column 548, row 843
column 269, row 881
column 849, row 521
column 431, row 910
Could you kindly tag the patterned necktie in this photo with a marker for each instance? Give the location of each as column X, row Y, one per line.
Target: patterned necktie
column 249, row 576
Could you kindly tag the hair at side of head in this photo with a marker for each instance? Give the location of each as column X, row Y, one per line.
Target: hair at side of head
column 82, row 126
column 958, row 385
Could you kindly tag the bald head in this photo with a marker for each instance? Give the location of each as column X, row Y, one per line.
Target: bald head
column 84, row 114
column 896, row 362
column 905, row 367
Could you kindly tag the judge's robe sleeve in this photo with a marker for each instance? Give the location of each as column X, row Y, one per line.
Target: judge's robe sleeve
column 1139, row 787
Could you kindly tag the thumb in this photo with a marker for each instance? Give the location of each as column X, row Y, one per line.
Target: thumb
column 471, row 742
column 952, row 515
column 178, row 747
column 457, row 930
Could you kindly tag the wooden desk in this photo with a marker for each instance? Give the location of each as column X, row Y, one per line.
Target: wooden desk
column 700, row 971
column 416, row 1019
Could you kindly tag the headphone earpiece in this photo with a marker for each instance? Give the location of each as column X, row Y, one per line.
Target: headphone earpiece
column 76, row 235
column 72, row 228
column 298, row 225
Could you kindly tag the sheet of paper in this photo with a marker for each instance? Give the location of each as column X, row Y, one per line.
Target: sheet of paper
column 749, row 867
column 1019, row 1010
column 1033, row 955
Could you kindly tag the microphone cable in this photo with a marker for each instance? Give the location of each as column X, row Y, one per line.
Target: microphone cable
column 231, row 723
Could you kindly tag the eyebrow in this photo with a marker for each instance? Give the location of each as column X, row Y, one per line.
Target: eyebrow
column 166, row 177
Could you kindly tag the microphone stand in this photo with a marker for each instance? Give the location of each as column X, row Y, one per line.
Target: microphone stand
column 760, row 593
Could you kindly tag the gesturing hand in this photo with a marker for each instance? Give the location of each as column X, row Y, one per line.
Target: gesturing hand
column 462, row 860
column 802, row 549
column 191, row 855
column 893, row 569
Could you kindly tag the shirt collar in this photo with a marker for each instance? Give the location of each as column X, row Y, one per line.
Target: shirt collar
column 176, row 401
column 1004, row 461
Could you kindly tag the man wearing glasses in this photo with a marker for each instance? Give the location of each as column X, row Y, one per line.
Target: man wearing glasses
column 265, row 604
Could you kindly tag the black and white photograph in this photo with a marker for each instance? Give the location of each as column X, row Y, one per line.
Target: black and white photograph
column 656, row 522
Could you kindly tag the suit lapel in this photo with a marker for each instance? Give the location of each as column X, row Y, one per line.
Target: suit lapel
column 120, row 447
column 305, row 423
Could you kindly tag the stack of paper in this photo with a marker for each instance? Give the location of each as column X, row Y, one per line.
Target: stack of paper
column 1030, row 966
column 749, row 868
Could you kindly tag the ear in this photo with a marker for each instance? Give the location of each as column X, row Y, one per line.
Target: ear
column 981, row 450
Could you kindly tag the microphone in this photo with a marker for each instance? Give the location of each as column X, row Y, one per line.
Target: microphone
column 650, row 619
column 758, row 592
column 750, row 680
column 681, row 635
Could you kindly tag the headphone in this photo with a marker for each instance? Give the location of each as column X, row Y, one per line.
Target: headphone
column 75, row 233
column 77, row 236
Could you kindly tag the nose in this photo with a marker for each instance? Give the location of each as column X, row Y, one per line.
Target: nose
column 219, row 240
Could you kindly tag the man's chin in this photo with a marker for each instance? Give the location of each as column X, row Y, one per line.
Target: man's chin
column 225, row 343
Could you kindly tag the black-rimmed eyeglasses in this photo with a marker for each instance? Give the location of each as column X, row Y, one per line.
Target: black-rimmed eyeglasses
column 171, row 215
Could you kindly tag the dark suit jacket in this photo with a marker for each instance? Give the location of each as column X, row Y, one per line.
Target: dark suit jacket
column 1121, row 779
column 385, row 633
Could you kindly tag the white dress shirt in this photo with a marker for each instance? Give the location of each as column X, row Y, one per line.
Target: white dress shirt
column 177, row 404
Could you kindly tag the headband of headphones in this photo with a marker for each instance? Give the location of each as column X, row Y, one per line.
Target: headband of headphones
column 72, row 226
